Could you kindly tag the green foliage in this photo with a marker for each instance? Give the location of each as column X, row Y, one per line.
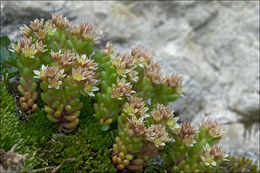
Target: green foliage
column 106, row 108
column 4, row 41
column 8, row 67
column 156, row 168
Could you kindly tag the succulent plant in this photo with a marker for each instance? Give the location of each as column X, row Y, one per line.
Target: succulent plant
column 194, row 148
column 115, row 73
column 141, row 134
column 122, row 76
column 238, row 164
column 56, row 53
column 133, row 93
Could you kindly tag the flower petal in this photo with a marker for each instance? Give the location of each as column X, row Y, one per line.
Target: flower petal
column 37, row 72
column 95, row 88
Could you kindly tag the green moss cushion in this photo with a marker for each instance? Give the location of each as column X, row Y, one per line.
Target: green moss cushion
column 38, row 137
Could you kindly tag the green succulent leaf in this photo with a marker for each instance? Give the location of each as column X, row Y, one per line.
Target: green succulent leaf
column 4, row 41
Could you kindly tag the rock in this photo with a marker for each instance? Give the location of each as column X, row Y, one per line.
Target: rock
column 14, row 14
column 214, row 45
column 16, row 10
column 11, row 161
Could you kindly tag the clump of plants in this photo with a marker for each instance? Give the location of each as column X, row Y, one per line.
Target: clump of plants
column 54, row 55
column 194, row 148
column 128, row 93
column 125, row 75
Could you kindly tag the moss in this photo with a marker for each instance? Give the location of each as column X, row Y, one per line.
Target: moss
column 39, row 138
column 26, row 135
column 89, row 146
column 9, row 124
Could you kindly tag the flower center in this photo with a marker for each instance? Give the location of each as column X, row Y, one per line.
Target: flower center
column 88, row 88
column 41, row 34
column 54, row 83
column 157, row 116
column 77, row 76
column 116, row 62
column 42, row 74
column 81, row 61
column 130, row 110
column 29, row 52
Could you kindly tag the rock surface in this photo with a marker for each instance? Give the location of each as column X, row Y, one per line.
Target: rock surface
column 214, row 45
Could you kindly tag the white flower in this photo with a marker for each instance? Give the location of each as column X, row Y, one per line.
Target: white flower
column 54, row 83
column 60, row 74
column 172, row 123
column 89, row 90
column 207, row 157
column 42, row 73
column 29, row 51
column 82, row 60
column 78, row 75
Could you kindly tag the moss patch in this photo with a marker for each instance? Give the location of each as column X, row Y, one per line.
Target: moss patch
column 90, row 146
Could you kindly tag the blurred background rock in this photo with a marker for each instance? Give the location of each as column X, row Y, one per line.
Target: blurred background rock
column 213, row 44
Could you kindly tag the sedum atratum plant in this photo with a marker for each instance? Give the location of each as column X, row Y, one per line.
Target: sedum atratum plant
column 57, row 61
column 123, row 76
column 56, row 55
column 194, row 148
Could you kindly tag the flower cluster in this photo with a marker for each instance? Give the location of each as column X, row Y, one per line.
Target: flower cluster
column 38, row 28
column 136, row 127
column 140, row 135
column 141, row 58
column 161, row 113
column 157, row 135
column 211, row 154
column 81, row 68
column 27, row 48
column 70, row 75
column 122, row 89
column 109, row 49
column 60, row 22
column 213, row 128
column 65, row 59
column 135, row 107
column 53, row 75
column 125, row 67
column 51, row 54
column 182, row 154
column 153, row 72
column 187, row 133
column 132, row 91
column 84, row 31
